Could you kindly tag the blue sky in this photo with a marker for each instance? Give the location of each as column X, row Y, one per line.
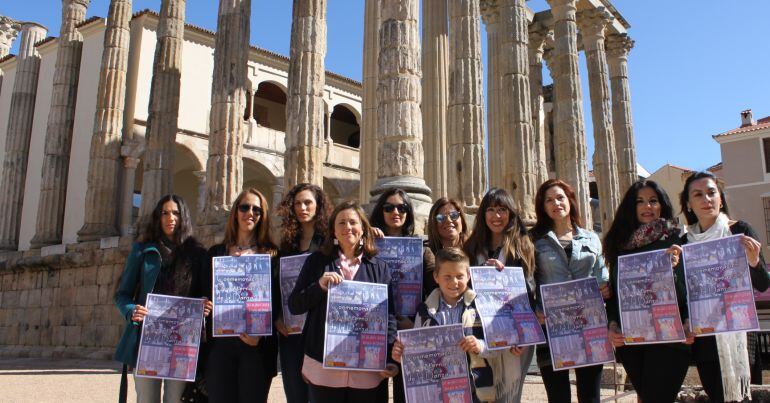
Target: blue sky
column 695, row 66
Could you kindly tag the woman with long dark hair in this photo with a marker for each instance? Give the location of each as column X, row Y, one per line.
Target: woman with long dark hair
column 165, row 259
column 447, row 228
column 644, row 221
column 723, row 360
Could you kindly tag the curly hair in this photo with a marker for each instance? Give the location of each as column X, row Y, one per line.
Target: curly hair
column 291, row 230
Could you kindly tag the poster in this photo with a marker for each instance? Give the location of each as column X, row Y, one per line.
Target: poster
column 576, row 323
column 503, row 303
column 404, row 258
column 242, row 296
column 170, row 339
column 435, row 368
column 290, row 268
column 719, row 292
column 649, row 312
column 356, row 326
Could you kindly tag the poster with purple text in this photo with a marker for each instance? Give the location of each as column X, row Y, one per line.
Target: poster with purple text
column 290, row 268
column 242, row 296
column 404, row 258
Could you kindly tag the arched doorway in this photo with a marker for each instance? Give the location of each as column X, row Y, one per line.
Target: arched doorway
column 345, row 128
column 270, row 106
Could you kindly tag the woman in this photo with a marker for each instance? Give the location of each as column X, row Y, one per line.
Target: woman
column 644, row 222
column 165, row 259
column 500, row 239
column 305, row 214
column 446, row 229
column 240, row 369
column 723, row 361
column 349, row 254
column 565, row 252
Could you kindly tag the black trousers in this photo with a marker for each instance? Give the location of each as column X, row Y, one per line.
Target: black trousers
column 235, row 372
column 557, row 385
column 656, row 370
column 322, row 394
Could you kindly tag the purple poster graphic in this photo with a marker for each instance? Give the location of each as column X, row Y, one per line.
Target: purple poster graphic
column 503, row 303
column 404, row 258
column 435, row 368
column 649, row 312
column 171, row 336
column 576, row 323
column 356, row 336
column 290, row 268
column 719, row 292
column 242, row 296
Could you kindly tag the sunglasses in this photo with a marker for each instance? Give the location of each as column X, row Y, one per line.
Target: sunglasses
column 245, row 208
column 452, row 216
column 389, row 208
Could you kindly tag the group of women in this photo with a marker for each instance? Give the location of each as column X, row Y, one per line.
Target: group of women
column 167, row 259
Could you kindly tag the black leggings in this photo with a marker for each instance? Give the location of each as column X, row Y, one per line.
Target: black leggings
column 656, row 370
column 322, row 394
column 235, row 373
column 557, row 385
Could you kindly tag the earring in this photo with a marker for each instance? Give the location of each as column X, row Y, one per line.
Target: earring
column 335, row 241
column 361, row 241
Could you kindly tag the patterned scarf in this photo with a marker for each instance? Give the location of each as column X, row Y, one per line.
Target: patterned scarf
column 648, row 233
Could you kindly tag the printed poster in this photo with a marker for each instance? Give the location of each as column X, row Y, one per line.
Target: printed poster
column 503, row 303
column 435, row 368
column 404, row 259
column 290, row 268
column 576, row 323
column 719, row 292
column 356, row 326
column 649, row 312
column 170, row 339
column 242, row 296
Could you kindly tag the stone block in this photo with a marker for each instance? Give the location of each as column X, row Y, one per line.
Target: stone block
column 108, row 243
column 46, row 297
column 104, row 275
column 72, row 337
column 51, row 278
column 10, row 299
column 87, row 295
column 108, row 336
column 88, row 336
column 53, row 250
column 85, row 315
column 8, row 283
column 58, row 335
column 103, row 314
column 67, row 278
column 31, row 336
column 33, row 317
column 89, row 275
column 55, row 316
column 34, row 297
column 4, row 316
column 69, row 316
column 45, row 337
column 78, row 273
column 11, row 335
column 67, row 296
column 23, row 297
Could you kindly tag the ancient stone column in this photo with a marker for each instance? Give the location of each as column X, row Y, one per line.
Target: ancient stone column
column 18, row 135
column 163, row 113
column 466, row 160
column 592, row 25
column 9, row 29
column 229, row 88
column 127, row 196
column 549, row 107
column 435, row 91
column 399, row 119
column 537, row 36
column 61, row 122
column 569, row 137
column 368, row 151
column 103, row 194
column 618, row 47
column 519, row 172
column 491, row 16
column 303, row 161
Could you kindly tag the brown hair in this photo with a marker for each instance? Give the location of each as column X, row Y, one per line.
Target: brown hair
column 290, row 227
column 262, row 231
column 451, row 255
column 368, row 248
column 434, row 239
column 544, row 222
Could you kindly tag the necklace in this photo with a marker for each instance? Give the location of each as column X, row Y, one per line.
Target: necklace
column 240, row 248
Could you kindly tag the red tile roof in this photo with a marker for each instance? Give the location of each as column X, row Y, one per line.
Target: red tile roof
column 763, row 123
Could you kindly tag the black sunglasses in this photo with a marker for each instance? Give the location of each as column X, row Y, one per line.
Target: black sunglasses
column 389, row 208
column 452, row 215
column 245, row 208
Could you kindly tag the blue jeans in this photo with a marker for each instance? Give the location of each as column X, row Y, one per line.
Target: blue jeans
column 291, row 351
column 148, row 390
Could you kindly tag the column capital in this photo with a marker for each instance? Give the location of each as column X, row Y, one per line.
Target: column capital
column 200, row 175
column 131, row 162
column 563, row 9
column 592, row 25
column 619, row 45
column 538, row 35
column 9, row 30
column 490, row 12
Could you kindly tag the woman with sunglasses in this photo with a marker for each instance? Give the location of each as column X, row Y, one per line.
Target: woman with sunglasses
column 304, row 228
column 446, row 229
column 499, row 239
column 240, row 369
column 565, row 251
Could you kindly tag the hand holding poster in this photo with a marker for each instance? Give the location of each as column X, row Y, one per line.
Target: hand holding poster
column 242, row 296
column 290, row 268
column 171, row 336
column 503, row 303
column 576, row 323
column 649, row 312
column 719, row 292
column 435, row 368
column 404, row 258
column 356, row 326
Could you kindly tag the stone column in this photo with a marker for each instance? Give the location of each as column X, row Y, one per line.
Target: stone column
column 201, row 199
column 537, row 36
column 18, row 135
column 9, row 29
column 491, row 15
column 230, row 85
column 127, row 196
column 549, row 107
column 163, row 114
column 592, row 26
column 435, row 90
column 101, row 210
column 569, row 137
column 466, row 162
column 368, row 152
column 618, row 47
column 519, row 173
column 303, row 161
column 61, row 122
column 399, row 119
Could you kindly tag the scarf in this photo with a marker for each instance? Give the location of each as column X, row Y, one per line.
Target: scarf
column 175, row 277
column 648, row 233
column 731, row 347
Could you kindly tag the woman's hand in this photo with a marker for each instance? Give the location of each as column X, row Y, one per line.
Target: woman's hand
column 494, row 262
column 689, row 336
column 390, row 371
column 377, row 233
column 139, row 313
column 470, row 344
column 752, row 247
column 516, row 350
column 329, row 278
column 398, row 351
column 208, row 306
column 605, row 290
column 281, row 327
column 616, row 336
column 252, row 341
column 675, row 251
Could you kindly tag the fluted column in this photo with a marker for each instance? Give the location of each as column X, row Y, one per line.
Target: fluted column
column 435, row 91
column 229, row 88
column 303, row 161
column 127, row 196
column 368, row 151
column 618, row 47
column 537, row 36
column 569, row 137
column 9, row 29
column 466, row 162
column 399, row 119
column 163, row 114
column 491, row 16
column 592, row 25
column 61, row 121
column 18, row 135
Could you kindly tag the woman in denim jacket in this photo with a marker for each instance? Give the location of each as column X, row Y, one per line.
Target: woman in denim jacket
column 564, row 251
